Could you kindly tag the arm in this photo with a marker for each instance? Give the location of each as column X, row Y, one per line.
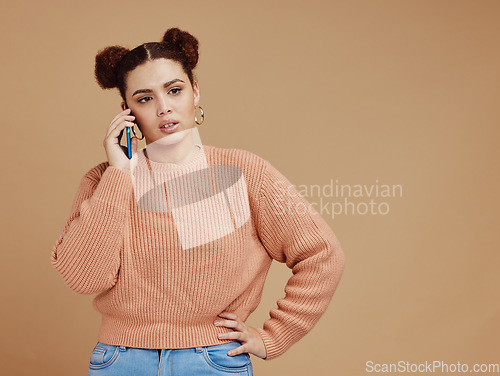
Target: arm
column 294, row 233
column 87, row 254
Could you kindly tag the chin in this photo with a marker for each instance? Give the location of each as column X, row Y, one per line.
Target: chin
column 172, row 138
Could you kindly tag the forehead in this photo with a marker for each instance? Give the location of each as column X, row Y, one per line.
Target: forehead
column 154, row 73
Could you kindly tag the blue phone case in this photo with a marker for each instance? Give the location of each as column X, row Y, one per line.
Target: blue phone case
column 129, row 146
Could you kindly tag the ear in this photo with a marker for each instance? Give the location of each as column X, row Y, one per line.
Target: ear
column 123, row 106
column 196, row 91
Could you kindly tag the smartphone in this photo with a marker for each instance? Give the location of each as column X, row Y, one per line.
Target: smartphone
column 129, row 146
column 129, row 142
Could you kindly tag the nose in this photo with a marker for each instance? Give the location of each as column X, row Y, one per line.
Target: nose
column 163, row 106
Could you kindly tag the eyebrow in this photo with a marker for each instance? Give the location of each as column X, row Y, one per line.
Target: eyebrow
column 165, row 85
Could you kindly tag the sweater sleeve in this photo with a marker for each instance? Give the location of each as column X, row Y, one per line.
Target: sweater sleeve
column 293, row 232
column 87, row 253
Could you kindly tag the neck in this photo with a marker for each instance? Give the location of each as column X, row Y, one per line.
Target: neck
column 179, row 152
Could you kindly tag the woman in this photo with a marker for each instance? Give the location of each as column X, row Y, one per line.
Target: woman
column 178, row 240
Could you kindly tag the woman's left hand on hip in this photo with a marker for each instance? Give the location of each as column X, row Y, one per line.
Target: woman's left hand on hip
column 249, row 337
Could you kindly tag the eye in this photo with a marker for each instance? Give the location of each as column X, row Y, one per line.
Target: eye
column 176, row 89
column 144, row 99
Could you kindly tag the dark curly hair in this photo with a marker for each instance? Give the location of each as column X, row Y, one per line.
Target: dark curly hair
column 113, row 63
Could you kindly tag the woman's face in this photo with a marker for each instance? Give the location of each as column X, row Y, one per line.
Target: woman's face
column 160, row 90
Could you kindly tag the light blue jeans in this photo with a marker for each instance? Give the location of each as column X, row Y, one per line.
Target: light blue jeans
column 110, row 360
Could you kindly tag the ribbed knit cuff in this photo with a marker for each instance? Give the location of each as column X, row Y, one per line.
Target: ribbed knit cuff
column 114, row 187
column 271, row 349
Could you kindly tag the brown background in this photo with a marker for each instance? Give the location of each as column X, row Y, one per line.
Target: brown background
column 405, row 92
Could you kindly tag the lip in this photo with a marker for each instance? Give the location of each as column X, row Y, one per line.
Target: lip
column 168, row 121
column 171, row 129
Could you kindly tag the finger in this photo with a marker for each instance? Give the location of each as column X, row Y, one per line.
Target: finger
column 114, row 131
column 116, row 122
column 119, row 118
column 229, row 315
column 228, row 323
column 237, row 351
column 126, row 111
column 237, row 322
column 229, row 335
column 128, row 124
column 123, row 113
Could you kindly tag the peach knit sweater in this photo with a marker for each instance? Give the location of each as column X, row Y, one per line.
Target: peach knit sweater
column 169, row 246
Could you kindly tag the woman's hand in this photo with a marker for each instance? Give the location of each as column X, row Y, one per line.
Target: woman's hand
column 249, row 336
column 116, row 153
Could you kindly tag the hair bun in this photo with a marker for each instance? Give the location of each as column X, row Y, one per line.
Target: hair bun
column 185, row 42
column 106, row 61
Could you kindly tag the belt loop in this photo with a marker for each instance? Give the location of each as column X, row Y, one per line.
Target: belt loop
column 198, row 349
column 123, row 348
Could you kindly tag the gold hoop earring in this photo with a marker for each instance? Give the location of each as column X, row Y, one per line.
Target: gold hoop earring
column 133, row 131
column 202, row 117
